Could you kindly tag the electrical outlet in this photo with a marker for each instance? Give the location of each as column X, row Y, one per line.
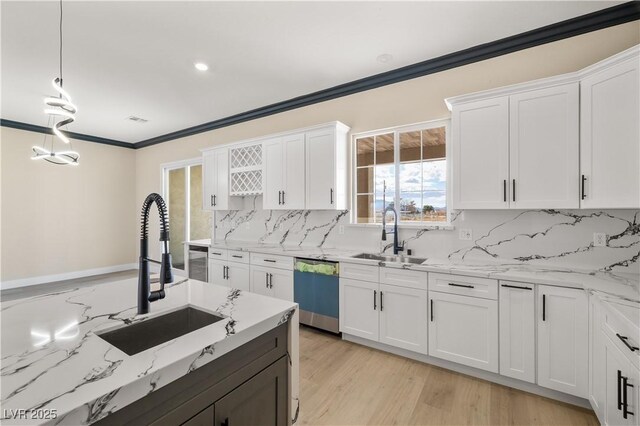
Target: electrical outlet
column 341, row 229
column 465, row 234
column 599, row 239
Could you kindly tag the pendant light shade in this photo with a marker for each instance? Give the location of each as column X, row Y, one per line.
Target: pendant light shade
column 61, row 112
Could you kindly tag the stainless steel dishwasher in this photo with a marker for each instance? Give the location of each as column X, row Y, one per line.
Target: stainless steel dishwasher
column 316, row 290
column 198, row 262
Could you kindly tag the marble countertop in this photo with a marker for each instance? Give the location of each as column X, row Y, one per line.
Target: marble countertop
column 53, row 360
column 621, row 285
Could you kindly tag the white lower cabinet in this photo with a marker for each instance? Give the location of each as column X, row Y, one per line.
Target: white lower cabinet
column 272, row 282
column 562, row 323
column 517, row 331
column 622, row 381
column 359, row 308
column 403, row 317
column 464, row 329
column 229, row 274
column 597, row 359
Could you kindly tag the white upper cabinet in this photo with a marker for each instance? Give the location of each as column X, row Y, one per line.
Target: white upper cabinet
column 610, row 136
column 326, row 168
column 284, row 176
column 216, row 181
column 543, row 148
column 480, row 132
column 563, row 340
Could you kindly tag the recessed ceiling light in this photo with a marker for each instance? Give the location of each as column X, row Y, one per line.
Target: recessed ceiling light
column 384, row 58
column 201, row 66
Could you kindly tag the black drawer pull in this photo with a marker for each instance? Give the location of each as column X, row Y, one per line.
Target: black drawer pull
column 461, row 285
column 216, row 253
column 270, row 260
column 625, row 340
column 516, row 286
column 237, row 256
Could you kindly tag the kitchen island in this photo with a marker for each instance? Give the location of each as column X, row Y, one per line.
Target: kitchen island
column 56, row 369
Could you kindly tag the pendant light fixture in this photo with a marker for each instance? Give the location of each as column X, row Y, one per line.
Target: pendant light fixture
column 61, row 112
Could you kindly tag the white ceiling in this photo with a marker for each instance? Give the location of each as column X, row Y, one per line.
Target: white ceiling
column 136, row 58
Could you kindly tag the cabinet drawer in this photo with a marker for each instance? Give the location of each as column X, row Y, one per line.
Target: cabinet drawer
column 272, row 261
column 216, row 253
column 238, row 256
column 404, row 278
column 621, row 330
column 356, row 271
column 467, row 286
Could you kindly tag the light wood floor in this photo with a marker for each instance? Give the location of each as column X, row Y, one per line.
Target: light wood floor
column 347, row 384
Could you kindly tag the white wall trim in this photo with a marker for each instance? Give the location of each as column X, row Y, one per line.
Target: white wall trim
column 473, row 372
column 25, row 282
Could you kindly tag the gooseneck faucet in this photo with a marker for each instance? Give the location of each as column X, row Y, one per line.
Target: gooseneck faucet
column 145, row 295
column 396, row 247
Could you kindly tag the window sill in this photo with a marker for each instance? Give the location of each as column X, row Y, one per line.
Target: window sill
column 432, row 226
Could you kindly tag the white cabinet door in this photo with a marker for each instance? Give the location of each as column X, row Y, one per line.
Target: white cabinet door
column 543, row 148
column 217, row 272
column 464, row 329
column 563, row 340
column 359, row 308
column 321, row 169
column 293, row 195
column 403, row 317
column 480, row 160
column 209, row 179
column 238, row 276
column 273, row 176
column 517, row 331
column 622, row 381
column 597, row 359
column 610, row 137
column 281, row 284
column 260, row 280
column 221, row 195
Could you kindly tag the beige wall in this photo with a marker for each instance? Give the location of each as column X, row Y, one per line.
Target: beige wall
column 60, row 219
column 407, row 102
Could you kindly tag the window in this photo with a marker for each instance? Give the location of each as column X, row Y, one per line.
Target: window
column 406, row 167
column 182, row 191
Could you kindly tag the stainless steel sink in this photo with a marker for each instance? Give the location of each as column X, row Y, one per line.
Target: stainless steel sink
column 135, row 338
column 390, row 258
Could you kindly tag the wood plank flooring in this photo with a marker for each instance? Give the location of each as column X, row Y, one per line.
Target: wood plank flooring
column 343, row 383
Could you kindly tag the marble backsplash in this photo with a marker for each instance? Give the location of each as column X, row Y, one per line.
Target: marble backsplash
column 562, row 238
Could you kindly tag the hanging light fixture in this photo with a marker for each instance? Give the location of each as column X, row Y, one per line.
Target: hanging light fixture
column 61, row 112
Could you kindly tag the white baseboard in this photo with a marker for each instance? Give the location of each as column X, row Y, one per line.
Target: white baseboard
column 474, row 372
column 25, row 282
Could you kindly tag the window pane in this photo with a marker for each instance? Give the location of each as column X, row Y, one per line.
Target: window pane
column 177, row 211
column 385, row 188
column 434, row 143
column 384, row 149
column 364, row 148
column 365, row 209
column 411, row 191
column 434, row 197
column 365, row 180
column 410, row 146
column 200, row 220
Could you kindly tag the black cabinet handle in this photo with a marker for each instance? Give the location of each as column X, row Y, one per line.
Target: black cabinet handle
column 431, row 302
column 279, row 197
column 461, row 285
column 270, row 280
column 544, row 307
column 266, row 279
column 227, row 271
column 224, row 272
column 625, row 401
column 514, row 190
column 516, row 286
column 237, row 256
column 626, row 343
column 375, row 299
column 283, row 202
column 380, row 300
column 504, row 190
column 583, row 195
column 212, row 200
column 270, row 260
column 619, row 390
column 331, row 195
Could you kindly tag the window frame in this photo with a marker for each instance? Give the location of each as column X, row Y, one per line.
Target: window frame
column 425, row 125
